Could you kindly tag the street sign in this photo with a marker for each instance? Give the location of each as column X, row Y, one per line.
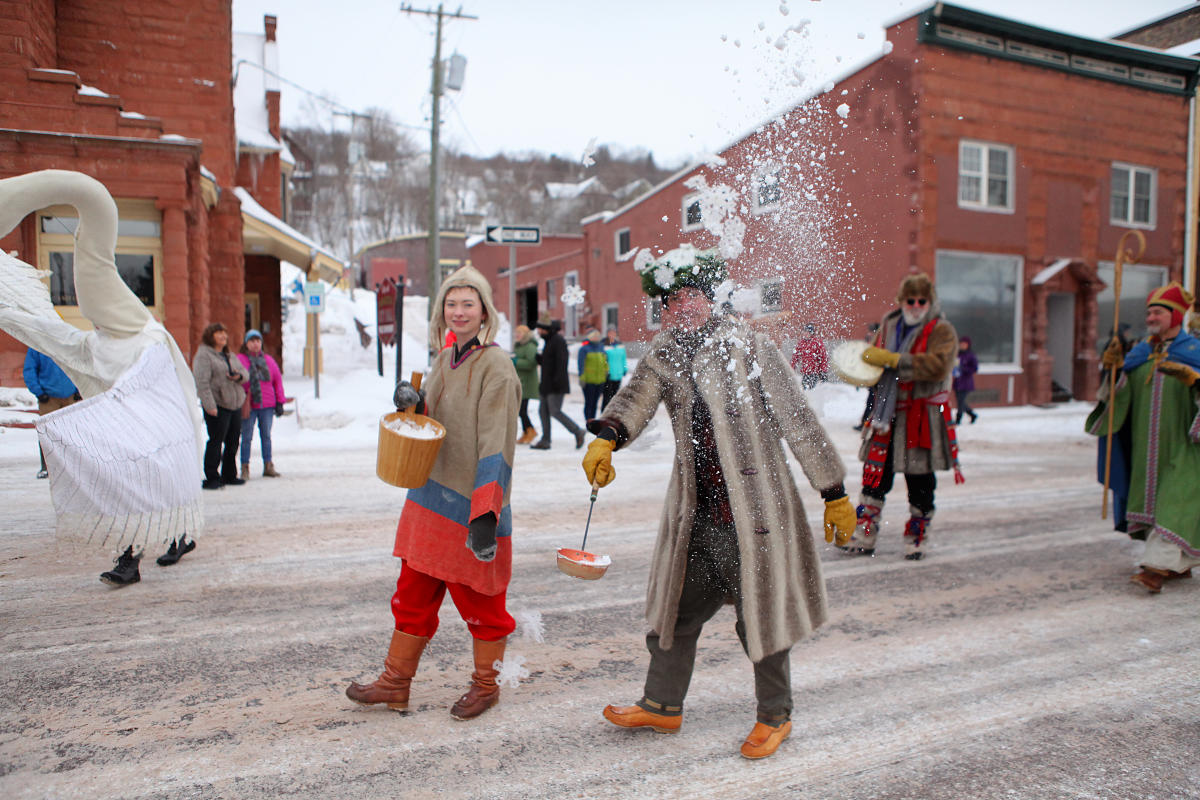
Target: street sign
column 385, row 312
column 314, row 297
column 513, row 234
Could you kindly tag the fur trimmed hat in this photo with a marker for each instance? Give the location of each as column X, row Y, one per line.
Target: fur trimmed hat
column 917, row 284
column 681, row 267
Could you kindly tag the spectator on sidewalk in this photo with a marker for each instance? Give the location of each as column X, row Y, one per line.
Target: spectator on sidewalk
column 593, row 372
column 51, row 386
column 812, row 357
column 964, row 380
column 614, row 352
column 265, row 397
column 525, row 362
column 555, row 383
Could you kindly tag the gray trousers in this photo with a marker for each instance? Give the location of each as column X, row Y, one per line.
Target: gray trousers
column 550, row 405
column 711, row 578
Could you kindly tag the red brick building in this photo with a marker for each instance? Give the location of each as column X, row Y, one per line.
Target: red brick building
column 1004, row 159
column 140, row 96
column 408, row 256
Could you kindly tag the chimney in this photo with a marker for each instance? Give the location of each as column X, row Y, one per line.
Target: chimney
column 271, row 62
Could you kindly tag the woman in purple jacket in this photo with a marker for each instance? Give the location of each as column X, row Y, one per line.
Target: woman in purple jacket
column 266, row 399
column 964, row 380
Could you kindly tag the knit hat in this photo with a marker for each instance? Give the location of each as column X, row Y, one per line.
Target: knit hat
column 1173, row 297
column 681, row 267
column 252, row 334
column 593, row 335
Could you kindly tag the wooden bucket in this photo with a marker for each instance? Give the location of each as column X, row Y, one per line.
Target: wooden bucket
column 403, row 460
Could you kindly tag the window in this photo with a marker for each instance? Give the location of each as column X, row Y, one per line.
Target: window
column 1132, row 200
column 693, row 219
column 767, row 191
column 621, row 243
column 653, row 313
column 138, row 254
column 1137, row 281
column 551, row 294
column 610, row 317
column 981, row 296
column 985, row 176
column 770, row 295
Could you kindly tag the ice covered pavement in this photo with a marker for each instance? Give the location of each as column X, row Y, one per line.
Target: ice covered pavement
column 1015, row 662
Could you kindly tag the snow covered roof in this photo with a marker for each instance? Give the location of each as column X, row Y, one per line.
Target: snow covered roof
column 253, row 57
column 570, row 191
column 1050, row 271
column 266, row 233
column 1186, row 49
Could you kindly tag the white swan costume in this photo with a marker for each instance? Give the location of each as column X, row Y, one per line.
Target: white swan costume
column 124, row 463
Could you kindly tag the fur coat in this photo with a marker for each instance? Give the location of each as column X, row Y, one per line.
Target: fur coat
column 754, row 402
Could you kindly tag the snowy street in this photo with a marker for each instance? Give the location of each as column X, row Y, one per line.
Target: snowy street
column 1016, row 661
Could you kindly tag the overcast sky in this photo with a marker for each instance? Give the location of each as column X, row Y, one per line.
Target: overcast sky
column 678, row 77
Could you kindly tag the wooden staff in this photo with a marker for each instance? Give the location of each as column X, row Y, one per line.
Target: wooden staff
column 1123, row 253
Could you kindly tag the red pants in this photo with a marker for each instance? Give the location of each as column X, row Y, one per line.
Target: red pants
column 419, row 596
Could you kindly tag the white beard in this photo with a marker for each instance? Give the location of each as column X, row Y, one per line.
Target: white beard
column 913, row 317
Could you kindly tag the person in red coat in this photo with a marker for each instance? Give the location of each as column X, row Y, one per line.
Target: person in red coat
column 812, row 357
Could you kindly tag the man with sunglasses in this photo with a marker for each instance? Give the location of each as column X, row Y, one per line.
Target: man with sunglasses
column 909, row 428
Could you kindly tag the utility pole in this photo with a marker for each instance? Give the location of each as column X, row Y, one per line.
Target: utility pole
column 434, row 248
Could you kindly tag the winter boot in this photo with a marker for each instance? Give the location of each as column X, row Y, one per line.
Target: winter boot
column 245, row 472
column 542, row 444
column 863, row 540
column 392, row 685
column 916, row 533
column 269, row 470
column 484, row 692
column 528, row 436
column 125, row 570
column 176, row 551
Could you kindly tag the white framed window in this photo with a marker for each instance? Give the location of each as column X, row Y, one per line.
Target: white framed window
column 653, row 313
column 770, row 295
column 766, row 190
column 1137, row 282
column 691, row 216
column 610, row 314
column 980, row 294
column 985, row 176
column 570, row 313
column 1132, row 196
column 622, row 244
column 138, row 254
column 551, row 293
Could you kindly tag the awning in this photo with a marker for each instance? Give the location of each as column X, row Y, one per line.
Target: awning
column 263, row 233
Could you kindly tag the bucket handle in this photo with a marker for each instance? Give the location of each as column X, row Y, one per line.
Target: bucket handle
column 415, row 380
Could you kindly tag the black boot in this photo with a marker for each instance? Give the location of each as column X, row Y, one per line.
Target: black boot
column 174, row 553
column 126, row 570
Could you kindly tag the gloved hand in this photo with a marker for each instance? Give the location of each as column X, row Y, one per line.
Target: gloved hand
column 1182, row 372
column 406, row 396
column 880, row 357
column 597, row 462
column 481, row 537
column 279, row 409
column 1114, row 355
column 840, row 521
column 43, row 398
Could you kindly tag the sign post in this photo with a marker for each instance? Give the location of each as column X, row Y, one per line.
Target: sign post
column 314, row 303
column 385, row 318
column 513, row 236
column 398, row 313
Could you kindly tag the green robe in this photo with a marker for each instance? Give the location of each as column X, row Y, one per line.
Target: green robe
column 1164, row 464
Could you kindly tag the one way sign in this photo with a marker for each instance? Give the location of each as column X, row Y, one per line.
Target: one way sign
column 513, row 234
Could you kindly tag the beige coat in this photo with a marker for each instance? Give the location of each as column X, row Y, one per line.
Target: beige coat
column 754, row 402
column 213, row 384
column 930, row 373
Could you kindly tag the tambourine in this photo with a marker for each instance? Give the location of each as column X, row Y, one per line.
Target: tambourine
column 847, row 362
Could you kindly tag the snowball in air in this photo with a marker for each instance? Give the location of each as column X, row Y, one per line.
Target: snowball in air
column 843, row 111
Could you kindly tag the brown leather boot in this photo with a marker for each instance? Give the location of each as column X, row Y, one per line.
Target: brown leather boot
column 269, row 470
column 483, row 693
column 391, row 686
column 245, row 472
column 528, row 436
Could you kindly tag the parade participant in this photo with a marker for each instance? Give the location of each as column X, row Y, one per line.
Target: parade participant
column 554, row 383
column 1157, row 399
column 964, row 380
column 909, row 429
column 52, row 388
column 593, row 372
column 614, row 353
column 733, row 527
column 812, row 357
column 123, row 463
column 525, row 361
column 455, row 531
column 264, row 393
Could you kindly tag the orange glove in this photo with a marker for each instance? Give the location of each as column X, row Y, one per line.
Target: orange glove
column 840, row 520
column 597, row 462
column 1114, row 355
column 1180, row 371
column 880, row 357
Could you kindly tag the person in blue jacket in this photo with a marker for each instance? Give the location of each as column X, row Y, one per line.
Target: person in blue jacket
column 51, row 386
column 614, row 351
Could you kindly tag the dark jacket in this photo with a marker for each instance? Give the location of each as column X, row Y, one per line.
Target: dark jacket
column 553, row 360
